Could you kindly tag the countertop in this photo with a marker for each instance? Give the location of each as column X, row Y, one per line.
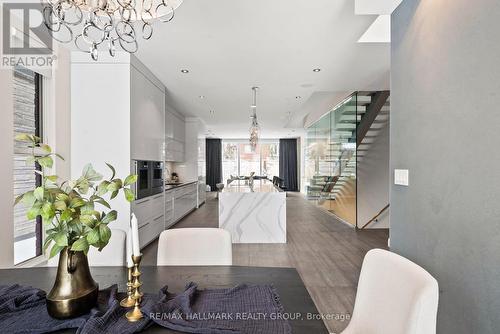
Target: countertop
column 178, row 185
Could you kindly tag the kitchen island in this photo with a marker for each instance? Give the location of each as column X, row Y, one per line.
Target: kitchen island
column 253, row 214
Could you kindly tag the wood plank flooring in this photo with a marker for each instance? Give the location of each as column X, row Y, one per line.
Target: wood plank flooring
column 326, row 252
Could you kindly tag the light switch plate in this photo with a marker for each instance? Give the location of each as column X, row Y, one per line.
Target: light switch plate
column 401, row 177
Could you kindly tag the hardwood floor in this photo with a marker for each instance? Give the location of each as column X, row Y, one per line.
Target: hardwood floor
column 326, row 253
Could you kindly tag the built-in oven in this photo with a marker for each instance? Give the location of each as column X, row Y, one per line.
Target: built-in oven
column 143, row 184
column 157, row 184
column 149, row 178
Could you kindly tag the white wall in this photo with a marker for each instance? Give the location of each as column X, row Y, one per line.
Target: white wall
column 373, row 176
column 57, row 125
column 100, row 120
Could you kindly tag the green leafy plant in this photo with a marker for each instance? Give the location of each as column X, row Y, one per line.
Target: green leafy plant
column 69, row 209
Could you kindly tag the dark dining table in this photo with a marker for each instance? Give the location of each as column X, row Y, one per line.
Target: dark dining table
column 296, row 301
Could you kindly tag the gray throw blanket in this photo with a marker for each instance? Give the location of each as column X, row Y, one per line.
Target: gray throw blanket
column 242, row 309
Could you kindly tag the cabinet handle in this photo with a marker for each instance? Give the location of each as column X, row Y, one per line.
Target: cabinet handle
column 159, row 217
column 143, row 225
column 158, row 196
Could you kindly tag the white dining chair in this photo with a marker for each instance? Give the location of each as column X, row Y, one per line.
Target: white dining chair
column 395, row 296
column 195, row 247
column 113, row 255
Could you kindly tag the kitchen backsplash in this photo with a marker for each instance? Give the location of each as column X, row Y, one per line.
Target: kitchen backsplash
column 177, row 167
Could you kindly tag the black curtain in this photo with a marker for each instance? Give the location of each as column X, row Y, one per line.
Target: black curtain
column 214, row 162
column 288, row 164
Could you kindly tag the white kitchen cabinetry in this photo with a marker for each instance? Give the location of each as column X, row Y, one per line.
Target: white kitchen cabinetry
column 147, row 117
column 169, row 123
column 193, row 167
column 179, row 201
column 179, row 129
column 175, row 136
column 150, row 213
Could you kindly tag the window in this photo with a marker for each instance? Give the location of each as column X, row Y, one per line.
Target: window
column 238, row 159
column 229, row 160
column 27, row 119
column 249, row 160
column 269, row 159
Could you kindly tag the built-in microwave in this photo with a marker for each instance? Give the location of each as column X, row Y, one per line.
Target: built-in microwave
column 149, row 178
column 157, row 184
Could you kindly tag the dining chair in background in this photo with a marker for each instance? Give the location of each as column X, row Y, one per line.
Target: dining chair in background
column 195, row 247
column 111, row 255
column 395, row 296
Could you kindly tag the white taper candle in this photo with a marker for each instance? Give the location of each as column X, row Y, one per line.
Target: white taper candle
column 130, row 263
column 135, row 235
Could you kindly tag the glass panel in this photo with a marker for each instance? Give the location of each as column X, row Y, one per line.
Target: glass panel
column 27, row 233
column 331, row 160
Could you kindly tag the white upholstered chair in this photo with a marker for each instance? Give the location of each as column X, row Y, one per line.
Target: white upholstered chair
column 111, row 255
column 395, row 296
column 195, row 247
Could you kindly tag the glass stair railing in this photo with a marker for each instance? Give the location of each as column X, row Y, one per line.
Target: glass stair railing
column 332, row 153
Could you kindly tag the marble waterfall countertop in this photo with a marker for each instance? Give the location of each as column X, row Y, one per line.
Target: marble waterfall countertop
column 253, row 215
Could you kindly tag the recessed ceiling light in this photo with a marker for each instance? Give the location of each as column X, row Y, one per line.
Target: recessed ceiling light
column 201, row 96
column 298, row 97
column 184, row 71
column 316, row 69
column 211, row 111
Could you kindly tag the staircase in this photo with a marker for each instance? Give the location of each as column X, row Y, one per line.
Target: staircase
column 351, row 125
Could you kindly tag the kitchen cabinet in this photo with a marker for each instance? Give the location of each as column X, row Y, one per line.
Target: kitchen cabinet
column 150, row 213
column 147, row 106
column 175, row 136
column 184, row 199
column 169, row 208
column 159, row 212
column 169, row 123
column 179, row 134
column 193, row 167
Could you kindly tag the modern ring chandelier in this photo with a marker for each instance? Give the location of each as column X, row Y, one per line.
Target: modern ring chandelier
column 254, row 128
column 106, row 24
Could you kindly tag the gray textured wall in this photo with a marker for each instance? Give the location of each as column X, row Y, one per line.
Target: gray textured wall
column 445, row 128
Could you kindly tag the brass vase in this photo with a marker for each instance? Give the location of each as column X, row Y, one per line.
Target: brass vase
column 74, row 292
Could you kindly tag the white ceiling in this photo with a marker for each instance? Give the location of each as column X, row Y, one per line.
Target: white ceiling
column 231, row 45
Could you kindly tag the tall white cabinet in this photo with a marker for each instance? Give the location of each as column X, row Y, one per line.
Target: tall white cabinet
column 193, row 167
column 147, row 105
column 175, row 135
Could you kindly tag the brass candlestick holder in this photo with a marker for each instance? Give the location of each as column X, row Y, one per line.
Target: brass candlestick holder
column 136, row 314
column 129, row 300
